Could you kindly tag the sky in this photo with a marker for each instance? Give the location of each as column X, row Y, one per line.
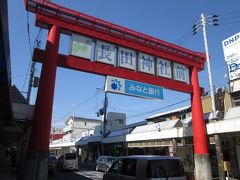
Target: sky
column 81, row 94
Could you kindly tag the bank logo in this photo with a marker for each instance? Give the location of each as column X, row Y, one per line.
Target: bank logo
column 116, row 85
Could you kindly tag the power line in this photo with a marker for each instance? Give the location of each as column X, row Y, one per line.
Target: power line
column 158, row 109
column 191, row 32
column 230, row 23
column 185, row 36
column 233, row 12
column 18, row 76
column 84, row 102
column 233, row 17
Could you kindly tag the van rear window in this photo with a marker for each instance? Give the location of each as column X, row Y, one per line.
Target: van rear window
column 69, row 156
column 165, row 168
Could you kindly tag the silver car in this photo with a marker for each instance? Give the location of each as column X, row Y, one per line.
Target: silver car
column 144, row 167
column 104, row 162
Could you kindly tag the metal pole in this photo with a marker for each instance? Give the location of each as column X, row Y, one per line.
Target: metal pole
column 31, row 80
column 37, row 44
column 104, row 119
column 208, row 65
column 73, row 122
column 216, row 136
column 105, row 113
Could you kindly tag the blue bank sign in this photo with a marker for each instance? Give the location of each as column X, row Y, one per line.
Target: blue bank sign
column 133, row 88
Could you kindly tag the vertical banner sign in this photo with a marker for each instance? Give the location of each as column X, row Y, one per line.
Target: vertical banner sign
column 81, row 46
column 231, row 49
column 133, row 88
column 126, row 58
column 105, row 52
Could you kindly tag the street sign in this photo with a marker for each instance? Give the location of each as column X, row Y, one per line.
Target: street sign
column 133, row 88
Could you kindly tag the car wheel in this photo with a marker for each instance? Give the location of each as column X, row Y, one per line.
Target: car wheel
column 97, row 169
column 59, row 167
column 75, row 169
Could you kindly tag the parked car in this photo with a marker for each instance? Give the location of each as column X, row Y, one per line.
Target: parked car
column 104, row 162
column 52, row 163
column 145, row 167
column 67, row 161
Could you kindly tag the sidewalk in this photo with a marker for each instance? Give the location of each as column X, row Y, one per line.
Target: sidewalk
column 7, row 172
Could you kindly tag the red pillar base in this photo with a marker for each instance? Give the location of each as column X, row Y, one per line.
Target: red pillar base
column 35, row 166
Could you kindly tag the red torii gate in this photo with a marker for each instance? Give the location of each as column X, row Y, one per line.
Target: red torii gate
column 58, row 20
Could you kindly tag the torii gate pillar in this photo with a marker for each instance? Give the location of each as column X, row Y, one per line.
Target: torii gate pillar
column 36, row 160
column 201, row 156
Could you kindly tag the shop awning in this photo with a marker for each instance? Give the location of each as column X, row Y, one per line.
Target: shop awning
column 117, row 136
column 157, row 126
column 68, row 143
column 97, row 137
column 83, row 141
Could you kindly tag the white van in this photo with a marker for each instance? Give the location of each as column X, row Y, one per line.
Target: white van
column 67, row 161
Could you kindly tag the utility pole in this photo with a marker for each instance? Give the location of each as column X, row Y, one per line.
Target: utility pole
column 105, row 112
column 203, row 18
column 31, row 81
column 104, row 118
column 37, row 44
column 73, row 118
column 214, row 117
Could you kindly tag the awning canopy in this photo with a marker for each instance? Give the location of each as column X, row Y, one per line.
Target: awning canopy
column 83, row 141
column 157, row 126
column 68, row 143
column 117, row 136
column 95, row 137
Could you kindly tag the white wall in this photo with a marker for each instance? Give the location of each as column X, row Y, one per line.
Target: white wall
column 115, row 121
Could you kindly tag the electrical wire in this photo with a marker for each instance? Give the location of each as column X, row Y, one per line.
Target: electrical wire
column 233, row 17
column 129, row 117
column 211, row 20
column 185, row 40
column 184, row 37
column 226, row 14
column 229, row 23
column 190, row 33
column 84, row 102
column 18, row 76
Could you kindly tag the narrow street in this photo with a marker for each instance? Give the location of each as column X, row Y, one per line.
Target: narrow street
column 86, row 172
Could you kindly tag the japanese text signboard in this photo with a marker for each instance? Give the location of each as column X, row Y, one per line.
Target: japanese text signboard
column 231, row 49
column 114, row 55
column 133, row 88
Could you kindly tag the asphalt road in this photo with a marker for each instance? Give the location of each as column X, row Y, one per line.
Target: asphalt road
column 86, row 172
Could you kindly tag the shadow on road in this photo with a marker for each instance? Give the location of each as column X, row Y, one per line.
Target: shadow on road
column 67, row 175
